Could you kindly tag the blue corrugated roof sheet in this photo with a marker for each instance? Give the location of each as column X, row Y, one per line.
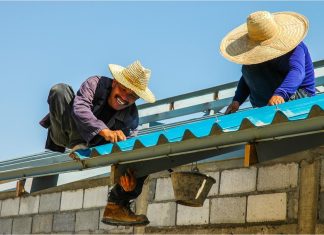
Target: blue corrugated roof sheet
column 253, row 118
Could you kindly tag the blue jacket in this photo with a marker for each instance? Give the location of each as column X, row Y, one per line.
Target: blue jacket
column 282, row 76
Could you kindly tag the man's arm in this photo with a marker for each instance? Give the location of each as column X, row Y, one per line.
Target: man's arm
column 294, row 77
column 241, row 94
column 87, row 123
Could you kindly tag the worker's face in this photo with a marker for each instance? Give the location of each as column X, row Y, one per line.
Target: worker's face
column 121, row 97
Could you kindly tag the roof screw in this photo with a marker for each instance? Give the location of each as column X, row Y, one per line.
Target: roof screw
column 277, row 108
column 217, row 120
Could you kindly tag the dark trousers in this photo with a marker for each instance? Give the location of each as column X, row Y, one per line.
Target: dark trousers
column 119, row 196
column 62, row 130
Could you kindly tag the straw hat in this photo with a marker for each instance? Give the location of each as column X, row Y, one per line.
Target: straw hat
column 134, row 77
column 264, row 36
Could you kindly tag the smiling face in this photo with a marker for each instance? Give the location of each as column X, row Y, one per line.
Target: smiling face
column 121, row 97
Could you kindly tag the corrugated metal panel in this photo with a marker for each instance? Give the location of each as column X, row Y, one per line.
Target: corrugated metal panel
column 254, row 118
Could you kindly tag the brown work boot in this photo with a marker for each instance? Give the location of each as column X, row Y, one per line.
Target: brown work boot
column 116, row 214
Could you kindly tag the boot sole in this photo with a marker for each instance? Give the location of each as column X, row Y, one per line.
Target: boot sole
column 123, row 223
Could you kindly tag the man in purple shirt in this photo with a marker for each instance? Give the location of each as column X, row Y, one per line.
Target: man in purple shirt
column 102, row 111
column 276, row 64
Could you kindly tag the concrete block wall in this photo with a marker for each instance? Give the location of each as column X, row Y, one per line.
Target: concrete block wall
column 71, row 211
column 254, row 195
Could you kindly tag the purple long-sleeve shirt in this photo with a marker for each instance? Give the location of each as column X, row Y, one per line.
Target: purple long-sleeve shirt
column 282, row 76
column 88, row 124
column 91, row 115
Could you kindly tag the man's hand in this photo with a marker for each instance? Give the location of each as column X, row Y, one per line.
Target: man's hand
column 112, row 136
column 276, row 99
column 233, row 107
column 128, row 181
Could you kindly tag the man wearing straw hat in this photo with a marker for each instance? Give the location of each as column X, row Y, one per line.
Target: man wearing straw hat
column 276, row 64
column 103, row 110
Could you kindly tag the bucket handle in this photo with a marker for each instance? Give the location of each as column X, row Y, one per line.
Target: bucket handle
column 201, row 188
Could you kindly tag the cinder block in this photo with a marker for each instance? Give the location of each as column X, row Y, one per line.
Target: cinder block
column 22, row 225
column 10, row 207
column 238, row 181
column 29, row 205
column 214, row 189
column 164, row 189
column 49, row 202
column 72, row 200
column 64, row 222
column 150, row 194
column 187, row 215
column 278, row 176
column 42, row 223
column 162, row 214
column 95, row 197
column 114, row 229
column 267, row 207
column 87, row 221
column 146, row 197
column 227, row 210
column 293, row 204
column 5, row 226
column 321, row 207
column 322, row 175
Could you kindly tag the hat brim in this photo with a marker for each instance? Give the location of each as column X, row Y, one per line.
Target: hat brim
column 116, row 71
column 239, row 48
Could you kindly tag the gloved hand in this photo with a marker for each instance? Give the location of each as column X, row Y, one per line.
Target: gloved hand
column 128, row 181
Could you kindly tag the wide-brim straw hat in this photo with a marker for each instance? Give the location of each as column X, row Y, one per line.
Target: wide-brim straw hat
column 135, row 77
column 264, row 36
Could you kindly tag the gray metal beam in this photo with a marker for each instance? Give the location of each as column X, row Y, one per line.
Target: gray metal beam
column 319, row 81
column 214, row 105
column 318, row 64
column 35, row 161
column 45, row 154
column 189, row 95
